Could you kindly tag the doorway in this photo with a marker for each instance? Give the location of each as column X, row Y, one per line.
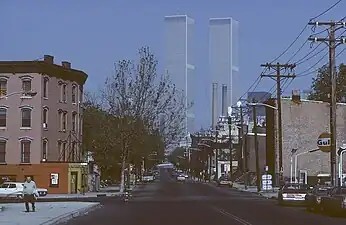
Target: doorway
column 74, row 182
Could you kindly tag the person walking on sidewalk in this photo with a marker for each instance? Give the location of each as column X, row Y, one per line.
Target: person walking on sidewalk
column 29, row 192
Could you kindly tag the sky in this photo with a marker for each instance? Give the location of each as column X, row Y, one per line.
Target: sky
column 92, row 35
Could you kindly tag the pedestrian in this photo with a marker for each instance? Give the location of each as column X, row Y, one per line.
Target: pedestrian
column 29, row 191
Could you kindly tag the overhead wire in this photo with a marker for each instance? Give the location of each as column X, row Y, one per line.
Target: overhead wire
column 258, row 80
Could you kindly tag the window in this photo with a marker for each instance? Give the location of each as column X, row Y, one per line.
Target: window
column 74, row 94
column 26, row 117
column 2, row 151
column 45, row 87
column 64, row 121
column 3, row 117
column 25, row 151
column 63, row 92
column 26, row 85
column 63, row 151
column 3, row 87
column 74, row 121
column 44, row 150
column 45, row 118
column 73, row 152
column 80, row 94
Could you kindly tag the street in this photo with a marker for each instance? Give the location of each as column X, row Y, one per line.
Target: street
column 171, row 203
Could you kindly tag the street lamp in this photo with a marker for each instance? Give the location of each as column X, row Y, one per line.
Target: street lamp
column 296, row 162
column 27, row 93
column 293, row 151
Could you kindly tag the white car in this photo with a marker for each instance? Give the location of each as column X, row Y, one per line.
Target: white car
column 181, row 178
column 15, row 190
column 148, row 177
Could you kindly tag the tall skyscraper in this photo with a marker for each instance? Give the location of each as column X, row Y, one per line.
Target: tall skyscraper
column 179, row 32
column 223, row 58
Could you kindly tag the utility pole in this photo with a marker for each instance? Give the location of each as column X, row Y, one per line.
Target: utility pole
column 277, row 77
column 230, row 145
column 332, row 43
column 258, row 172
column 216, row 156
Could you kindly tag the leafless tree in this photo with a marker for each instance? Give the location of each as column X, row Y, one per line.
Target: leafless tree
column 135, row 92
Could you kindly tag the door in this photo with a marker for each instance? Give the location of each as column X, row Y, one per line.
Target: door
column 73, row 182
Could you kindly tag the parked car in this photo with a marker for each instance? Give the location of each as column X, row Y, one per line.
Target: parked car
column 15, row 190
column 334, row 201
column 313, row 198
column 148, row 177
column 181, row 178
column 224, row 180
column 293, row 194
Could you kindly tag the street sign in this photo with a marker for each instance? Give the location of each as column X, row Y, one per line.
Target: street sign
column 267, row 183
column 323, row 142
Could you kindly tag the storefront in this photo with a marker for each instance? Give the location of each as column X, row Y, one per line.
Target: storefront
column 58, row 178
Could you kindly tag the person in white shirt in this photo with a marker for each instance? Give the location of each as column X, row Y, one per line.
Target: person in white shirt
column 29, row 192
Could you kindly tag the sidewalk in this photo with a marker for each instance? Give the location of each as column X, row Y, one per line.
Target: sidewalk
column 253, row 189
column 46, row 213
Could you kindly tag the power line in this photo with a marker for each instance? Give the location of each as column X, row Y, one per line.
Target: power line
column 304, row 28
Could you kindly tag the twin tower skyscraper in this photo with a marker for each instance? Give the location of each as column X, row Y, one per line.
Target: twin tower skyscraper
column 180, row 39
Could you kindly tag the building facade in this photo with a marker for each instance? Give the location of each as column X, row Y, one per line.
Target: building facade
column 40, row 135
column 179, row 63
column 223, row 55
column 302, row 121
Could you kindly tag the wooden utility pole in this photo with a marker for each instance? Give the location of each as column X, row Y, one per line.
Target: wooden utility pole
column 230, row 146
column 258, row 171
column 332, row 43
column 278, row 77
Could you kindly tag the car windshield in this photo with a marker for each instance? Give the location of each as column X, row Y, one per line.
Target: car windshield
column 296, row 188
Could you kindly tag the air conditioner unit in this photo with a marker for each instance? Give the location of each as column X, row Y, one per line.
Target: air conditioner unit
column 44, row 125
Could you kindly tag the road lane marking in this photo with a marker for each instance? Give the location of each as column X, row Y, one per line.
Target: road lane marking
column 234, row 217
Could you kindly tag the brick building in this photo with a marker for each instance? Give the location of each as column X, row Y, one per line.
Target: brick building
column 302, row 121
column 40, row 135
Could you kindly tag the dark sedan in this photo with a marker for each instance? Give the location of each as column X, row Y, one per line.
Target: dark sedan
column 313, row 198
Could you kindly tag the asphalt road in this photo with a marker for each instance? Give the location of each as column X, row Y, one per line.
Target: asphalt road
column 167, row 202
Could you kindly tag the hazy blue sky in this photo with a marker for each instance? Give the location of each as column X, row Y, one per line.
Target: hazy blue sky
column 94, row 34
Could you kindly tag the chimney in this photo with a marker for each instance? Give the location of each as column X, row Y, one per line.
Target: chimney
column 214, row 100
column 49, row 59
column 296, row 96
column 224, row 100
column 66, row 64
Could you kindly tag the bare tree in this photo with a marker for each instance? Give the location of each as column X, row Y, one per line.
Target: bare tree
column 137, row 93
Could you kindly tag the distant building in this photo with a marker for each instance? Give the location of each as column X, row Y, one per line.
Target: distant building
column 179, row 63
column 40, row 136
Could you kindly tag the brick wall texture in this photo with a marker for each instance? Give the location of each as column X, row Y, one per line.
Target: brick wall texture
column 302, row 124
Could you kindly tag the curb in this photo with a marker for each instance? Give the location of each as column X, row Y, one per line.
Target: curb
column 68, row 216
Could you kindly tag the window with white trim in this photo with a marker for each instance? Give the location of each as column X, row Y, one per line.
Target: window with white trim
column 45, row 87
column 45, row 118
column 26, row 117
column 3, row 87
column 2, row 151
column 64, row 121
column 74, row 94
column 25, row 147
column 26, row 84
column 44, row 149
column 3, row 117
column 63, row 93
column 74, row 121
